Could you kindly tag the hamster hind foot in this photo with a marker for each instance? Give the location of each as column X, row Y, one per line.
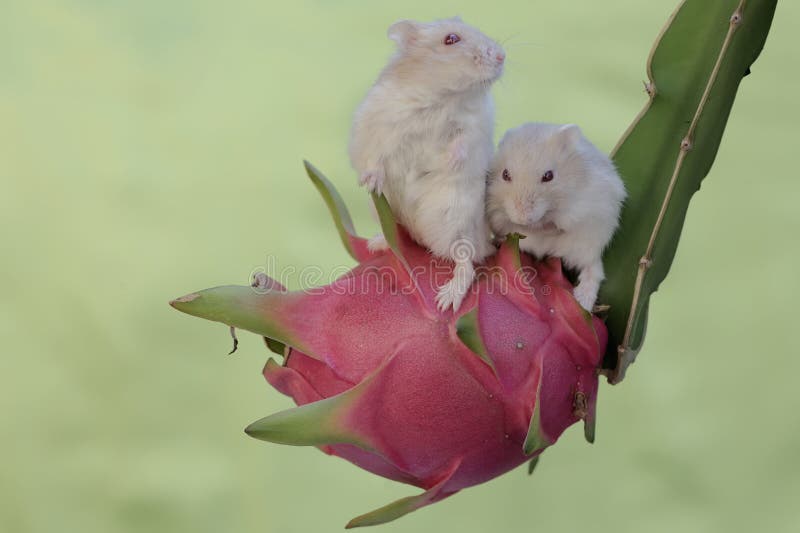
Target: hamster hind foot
column 589, row 280
column 453, row 292
column 586, row 295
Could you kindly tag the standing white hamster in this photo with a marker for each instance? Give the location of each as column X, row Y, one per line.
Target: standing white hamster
column 423, row 137
column 549, row 183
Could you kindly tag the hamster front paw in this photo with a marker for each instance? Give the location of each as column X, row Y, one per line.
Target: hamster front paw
column 586, row 295
column 372, row 180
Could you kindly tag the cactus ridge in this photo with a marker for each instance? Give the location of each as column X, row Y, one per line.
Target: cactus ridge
column 668, row 150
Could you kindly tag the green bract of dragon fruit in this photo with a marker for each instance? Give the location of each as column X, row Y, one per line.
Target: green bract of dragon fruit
column 383, row 379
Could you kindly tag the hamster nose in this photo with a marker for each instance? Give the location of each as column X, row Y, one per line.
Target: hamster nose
column 500, row 57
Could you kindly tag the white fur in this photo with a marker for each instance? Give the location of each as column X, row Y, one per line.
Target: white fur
column 423, row 137
column 377, row 243
column 573, row 216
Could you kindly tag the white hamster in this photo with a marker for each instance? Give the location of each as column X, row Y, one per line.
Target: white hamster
column 551, row 184
column 423, row 137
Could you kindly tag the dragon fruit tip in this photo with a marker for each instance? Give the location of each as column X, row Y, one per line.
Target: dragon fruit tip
column 176, row 303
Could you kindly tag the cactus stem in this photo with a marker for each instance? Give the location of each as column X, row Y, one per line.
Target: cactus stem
column 650, row 77
column 686, row 146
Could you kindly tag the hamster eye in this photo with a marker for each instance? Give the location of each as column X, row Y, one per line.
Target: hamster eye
column 451, row 38
column 547, row 176
column 506, row 174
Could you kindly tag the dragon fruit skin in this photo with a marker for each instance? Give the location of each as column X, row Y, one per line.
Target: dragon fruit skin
column 441, row 401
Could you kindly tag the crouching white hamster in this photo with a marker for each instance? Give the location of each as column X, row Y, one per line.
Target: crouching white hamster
column 552, row 185
column 423, row 137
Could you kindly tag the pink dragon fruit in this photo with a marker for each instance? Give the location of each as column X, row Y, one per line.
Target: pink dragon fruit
column 441, row 401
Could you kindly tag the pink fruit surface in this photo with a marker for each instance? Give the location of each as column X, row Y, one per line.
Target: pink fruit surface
column 439, row 400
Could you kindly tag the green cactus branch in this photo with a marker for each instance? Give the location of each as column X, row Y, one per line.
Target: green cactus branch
column 694, row 71
column 686, row 145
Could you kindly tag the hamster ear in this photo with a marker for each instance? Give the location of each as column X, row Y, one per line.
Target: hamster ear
column 571, row 134
column 403, row 32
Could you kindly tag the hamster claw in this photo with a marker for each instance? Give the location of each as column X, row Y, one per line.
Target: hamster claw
column 449, row 295
column 456, row 289
column 372, row 180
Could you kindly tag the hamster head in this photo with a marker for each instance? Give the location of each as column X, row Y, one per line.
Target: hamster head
column 548, row 177
column 445, row 55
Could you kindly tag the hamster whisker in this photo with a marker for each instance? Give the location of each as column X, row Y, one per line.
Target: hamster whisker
column 527, row 63
column 537, row 45
column 509, row 42
column 512, row 36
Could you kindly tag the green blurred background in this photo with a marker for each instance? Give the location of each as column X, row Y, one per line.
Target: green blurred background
column 149, row 149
